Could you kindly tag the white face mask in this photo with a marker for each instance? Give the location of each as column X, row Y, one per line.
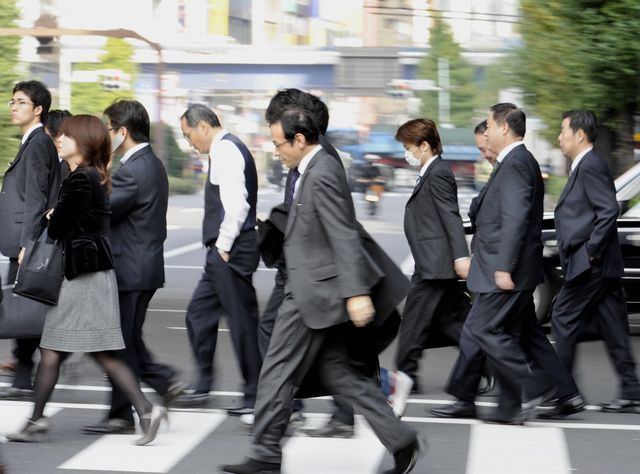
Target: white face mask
column 412, row 160
column 116, row 142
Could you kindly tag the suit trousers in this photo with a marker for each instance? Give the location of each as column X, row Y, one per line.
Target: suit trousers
column 592, row 298
column 427, row 305
column 133, row 312
column 297, row 351
column 23, row 348
column 227, row 288
column 506, row 329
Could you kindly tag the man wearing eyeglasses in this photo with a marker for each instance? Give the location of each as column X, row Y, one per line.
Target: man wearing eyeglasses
column 29, row 188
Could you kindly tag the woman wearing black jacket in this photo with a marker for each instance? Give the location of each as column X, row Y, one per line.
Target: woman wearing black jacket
column 86, row 318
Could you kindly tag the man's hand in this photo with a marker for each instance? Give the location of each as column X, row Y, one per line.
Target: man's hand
column 462, row 268
column 504, row 281
column 21, row 255
column 360, row 309
column 224, row 255
column 48, row 214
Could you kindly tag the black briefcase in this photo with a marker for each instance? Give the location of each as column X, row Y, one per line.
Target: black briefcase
column 20, row 317
column 42, row 269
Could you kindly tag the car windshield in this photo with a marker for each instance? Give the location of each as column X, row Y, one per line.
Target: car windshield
column 628, row 192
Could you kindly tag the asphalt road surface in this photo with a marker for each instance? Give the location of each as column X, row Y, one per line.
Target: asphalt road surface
column 197, row 441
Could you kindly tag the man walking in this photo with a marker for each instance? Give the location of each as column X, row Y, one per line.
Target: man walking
column 138, row 203
column 506, row 266
column 29, row 188
column 586, row 227
column 228, row 232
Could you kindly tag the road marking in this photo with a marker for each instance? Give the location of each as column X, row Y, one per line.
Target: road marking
column 173, row 227
column 200, row 267
column 117, row 453
column 14, row 415
column 360, row 454
column 498, row 449
column 182, row 250
column 182, row 328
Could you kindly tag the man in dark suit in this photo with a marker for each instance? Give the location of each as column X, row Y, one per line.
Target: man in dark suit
column 435, row 233
column 506, row 266
column 329, row 284
column 138, row 202
column 30, row 187
column 586, row 228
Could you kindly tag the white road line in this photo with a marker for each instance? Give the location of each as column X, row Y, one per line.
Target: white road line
column 107, row 388
column 117, row 453
column 14, row 415
column 182, row 250
column 173, row 227
column 498, row 449
column 182, row 328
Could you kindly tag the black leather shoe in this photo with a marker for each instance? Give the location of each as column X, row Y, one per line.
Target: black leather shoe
column 621, row 405
column 564, row 407
column 333, row 429
column 490, row 384
column 191, row 400
column 173, row 392
column 13, row 393
column 112, row 426
column 251, row 466
column 239, row 411
column 405, row 459
column 459, row 409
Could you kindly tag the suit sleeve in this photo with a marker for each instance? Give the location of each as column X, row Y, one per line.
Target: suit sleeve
column 602, row 199
column 124, row 192
column 38, row 159
column 515, row 203
column 332, row 208
column 445, row 196
column 74, row 199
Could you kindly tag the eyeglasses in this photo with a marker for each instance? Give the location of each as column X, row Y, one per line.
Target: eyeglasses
column 19, row 103
column 278, row 145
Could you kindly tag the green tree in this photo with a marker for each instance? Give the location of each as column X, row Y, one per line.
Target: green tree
column 175, row 158
column 92, row 97
column 583, row 54
column 461, row 76
column 9, row 134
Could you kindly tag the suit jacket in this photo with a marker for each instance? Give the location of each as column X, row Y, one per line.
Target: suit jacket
column 139, row 200
column 81, row 221
column 509, row 225
column 30, row 187
column 326, row 263
column 586, row 220
column 433, row 225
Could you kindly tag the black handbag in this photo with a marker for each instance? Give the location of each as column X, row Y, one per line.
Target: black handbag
column 20, row 317
column 41, row 272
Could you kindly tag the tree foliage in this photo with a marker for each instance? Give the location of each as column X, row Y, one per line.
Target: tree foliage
column 92, row 97
column 461, row 76
column 9, row 46
column 583, row 54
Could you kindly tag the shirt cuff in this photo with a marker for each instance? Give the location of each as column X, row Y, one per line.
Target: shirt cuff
column 461, row 259
column 224, row 243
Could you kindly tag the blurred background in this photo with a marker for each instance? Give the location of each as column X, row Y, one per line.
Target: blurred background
column 376, row 63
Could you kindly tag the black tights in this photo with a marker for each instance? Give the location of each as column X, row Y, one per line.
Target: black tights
column 118, row 372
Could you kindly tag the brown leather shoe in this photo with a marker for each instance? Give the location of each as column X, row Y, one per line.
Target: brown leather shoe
column 8, row 365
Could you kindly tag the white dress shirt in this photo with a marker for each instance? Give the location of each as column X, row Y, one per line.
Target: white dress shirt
column 226, row 167
column 505, row 151
column 28, row 132
column 302, row 166
column 575, row 163
column 425, row 167
column 131, row 151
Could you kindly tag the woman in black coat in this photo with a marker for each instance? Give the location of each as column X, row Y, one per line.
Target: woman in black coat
column 86, row 318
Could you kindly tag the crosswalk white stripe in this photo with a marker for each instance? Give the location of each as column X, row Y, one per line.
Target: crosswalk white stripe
column 496, row 449
column 117, row 453
column 14, row 416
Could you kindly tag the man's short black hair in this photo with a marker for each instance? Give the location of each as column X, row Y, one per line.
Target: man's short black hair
column 584, row 120
column 294, row 120
column 196, row 113
column 132, row 115
column 480, row 128
column 38, row 93
column 287, row 98
column 510, row 113
column 54, row 121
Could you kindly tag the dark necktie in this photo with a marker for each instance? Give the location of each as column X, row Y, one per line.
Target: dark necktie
column 291, row 188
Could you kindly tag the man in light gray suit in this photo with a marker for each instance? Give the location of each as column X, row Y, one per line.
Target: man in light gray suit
column 329, row 286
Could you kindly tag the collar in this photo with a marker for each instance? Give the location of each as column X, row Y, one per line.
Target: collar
column 302, row 166
column 424, row 168
column 575, row 163
column 506, row 150
column 28, row 132
column 217, row 138
column 132, row 150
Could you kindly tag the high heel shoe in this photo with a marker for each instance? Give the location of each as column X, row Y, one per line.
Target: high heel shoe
column 150, row 423
column 32, row 431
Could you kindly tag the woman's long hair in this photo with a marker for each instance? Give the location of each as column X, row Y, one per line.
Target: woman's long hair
column 93, row 142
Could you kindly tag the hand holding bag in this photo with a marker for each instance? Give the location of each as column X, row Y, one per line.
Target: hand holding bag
column 41, row 272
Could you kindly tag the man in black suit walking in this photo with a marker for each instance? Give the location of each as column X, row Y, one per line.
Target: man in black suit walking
column 29, row 188
column 329, row 284
column 138, row 203
column 586, row 227
column 506, row 266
